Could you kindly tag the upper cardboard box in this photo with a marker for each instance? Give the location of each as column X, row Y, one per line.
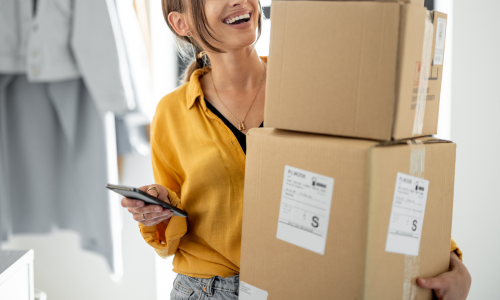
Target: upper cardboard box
column 354, row 68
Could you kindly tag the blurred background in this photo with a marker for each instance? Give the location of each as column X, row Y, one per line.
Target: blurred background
column 122, row 60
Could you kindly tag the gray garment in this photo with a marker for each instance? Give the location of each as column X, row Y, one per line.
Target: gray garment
column 215, row 288
column 68, row 39
column 53, row 162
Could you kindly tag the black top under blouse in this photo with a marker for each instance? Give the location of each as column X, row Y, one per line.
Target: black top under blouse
column 240, row 136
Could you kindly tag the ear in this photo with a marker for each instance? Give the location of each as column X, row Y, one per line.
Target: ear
column 178, row 23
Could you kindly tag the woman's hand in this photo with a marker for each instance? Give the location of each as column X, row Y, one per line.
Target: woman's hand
column 149, row 215
column 454, row 284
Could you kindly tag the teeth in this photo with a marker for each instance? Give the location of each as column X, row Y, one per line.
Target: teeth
column 245, row 16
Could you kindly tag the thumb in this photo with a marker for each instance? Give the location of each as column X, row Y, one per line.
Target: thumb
column 156, row 190
column 431, row 283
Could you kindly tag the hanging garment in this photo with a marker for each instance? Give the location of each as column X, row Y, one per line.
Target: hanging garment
column 54, row 164
column 68, row 39
column 61, row 68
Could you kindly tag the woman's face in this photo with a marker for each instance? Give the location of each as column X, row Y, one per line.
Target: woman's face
column 222, row 17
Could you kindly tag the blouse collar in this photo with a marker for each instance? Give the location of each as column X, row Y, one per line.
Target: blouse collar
column 194, row 90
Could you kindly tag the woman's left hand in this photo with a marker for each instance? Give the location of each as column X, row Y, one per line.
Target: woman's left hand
column 454, row 284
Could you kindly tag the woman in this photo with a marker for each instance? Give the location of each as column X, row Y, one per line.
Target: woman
column 198, row 152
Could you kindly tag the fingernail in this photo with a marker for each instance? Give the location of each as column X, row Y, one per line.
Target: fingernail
column 422, row 281
column 166, row 212
column 140, row 203
column 158, row 209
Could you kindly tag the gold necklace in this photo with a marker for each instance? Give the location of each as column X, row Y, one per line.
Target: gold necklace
column 241, row 126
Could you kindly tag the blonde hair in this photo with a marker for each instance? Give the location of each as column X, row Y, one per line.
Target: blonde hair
column 186, row 45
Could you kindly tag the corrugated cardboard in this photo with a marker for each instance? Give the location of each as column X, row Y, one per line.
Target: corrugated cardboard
column 347, row 68
column 355, row 264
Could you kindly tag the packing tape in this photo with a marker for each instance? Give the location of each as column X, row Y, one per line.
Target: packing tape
column 412, row 263
column 417, row 158
column 423, row 80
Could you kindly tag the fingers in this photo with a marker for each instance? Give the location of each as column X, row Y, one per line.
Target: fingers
column 127, row 202
column 455, row 262
column 454, row 284
column 150, row 216
column 154, row 213
column 439, row 282
column 146, row 209
column 153, row 221
column 163, row 191
column 153, row 218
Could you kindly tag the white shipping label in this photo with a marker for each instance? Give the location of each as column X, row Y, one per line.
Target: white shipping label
column 440, row 39
column 249, row 292
column 407, row 215
column 306, row 199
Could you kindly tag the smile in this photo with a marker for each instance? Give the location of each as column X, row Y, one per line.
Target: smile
column 238, row 19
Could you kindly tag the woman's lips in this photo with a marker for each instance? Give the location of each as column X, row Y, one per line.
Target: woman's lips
column 243, row 25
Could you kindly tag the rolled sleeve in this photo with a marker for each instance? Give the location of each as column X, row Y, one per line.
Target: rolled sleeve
column 166, row 239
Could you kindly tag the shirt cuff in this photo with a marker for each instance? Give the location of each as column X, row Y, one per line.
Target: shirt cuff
column 167, row 241
column 454, row 247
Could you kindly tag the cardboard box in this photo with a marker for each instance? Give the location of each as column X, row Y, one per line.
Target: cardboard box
column 352, row 68
column 321, row 213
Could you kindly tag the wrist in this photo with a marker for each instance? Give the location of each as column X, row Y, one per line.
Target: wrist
column 165, row 222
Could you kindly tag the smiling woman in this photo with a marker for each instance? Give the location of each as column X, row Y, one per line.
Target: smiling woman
column 198, row 145
column 198, row 150
column 192, row 47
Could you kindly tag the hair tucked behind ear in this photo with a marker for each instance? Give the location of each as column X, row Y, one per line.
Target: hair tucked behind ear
column 185, row 45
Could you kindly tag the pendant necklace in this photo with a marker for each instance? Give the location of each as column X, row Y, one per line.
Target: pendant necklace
column 241, row 125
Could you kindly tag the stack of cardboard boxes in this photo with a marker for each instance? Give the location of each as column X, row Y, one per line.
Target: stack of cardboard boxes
column 348, row 199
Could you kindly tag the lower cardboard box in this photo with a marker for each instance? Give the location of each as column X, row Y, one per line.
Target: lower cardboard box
column 339, row 218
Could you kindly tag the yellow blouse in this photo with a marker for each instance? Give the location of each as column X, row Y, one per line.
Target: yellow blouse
column 199, row 160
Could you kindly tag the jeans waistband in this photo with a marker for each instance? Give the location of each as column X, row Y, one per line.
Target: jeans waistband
column 229, row 284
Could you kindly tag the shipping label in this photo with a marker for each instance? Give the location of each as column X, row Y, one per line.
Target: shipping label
column 304, row 215
column 249, row 292
column 407, row 215
column 440, row 39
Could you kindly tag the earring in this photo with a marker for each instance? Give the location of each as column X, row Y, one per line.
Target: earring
column 190, row 35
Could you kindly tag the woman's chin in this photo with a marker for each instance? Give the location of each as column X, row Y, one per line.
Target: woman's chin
column 244, row 42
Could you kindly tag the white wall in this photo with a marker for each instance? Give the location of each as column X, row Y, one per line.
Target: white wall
column 475, row 126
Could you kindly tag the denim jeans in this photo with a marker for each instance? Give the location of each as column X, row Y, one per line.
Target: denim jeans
column 215, row 288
